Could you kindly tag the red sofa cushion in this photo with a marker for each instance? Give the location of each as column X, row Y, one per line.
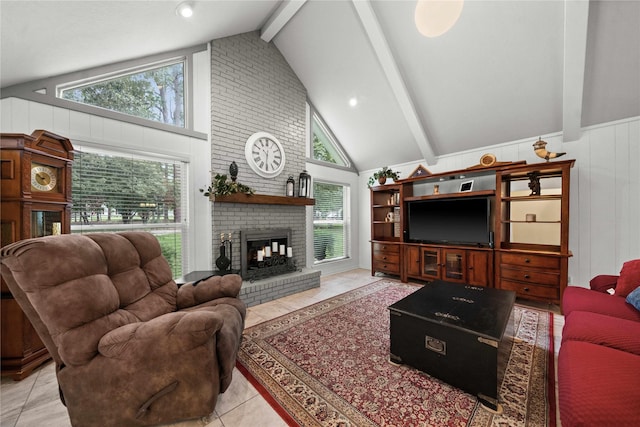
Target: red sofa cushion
column 621, row 334
column 576, row 298
column 597, row 386
column 629, row 278
column 603, row 282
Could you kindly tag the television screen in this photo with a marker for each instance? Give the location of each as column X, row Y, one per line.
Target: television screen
column 465, row 221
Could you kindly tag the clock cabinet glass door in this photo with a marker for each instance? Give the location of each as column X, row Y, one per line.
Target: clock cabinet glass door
column 45, row 223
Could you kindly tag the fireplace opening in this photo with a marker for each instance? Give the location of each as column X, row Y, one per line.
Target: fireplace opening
column 265, row 253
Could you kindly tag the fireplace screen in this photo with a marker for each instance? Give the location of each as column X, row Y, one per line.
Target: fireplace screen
column 265, row 253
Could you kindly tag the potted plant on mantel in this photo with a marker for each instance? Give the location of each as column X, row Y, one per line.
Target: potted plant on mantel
column 382, row 175
column 220, row 186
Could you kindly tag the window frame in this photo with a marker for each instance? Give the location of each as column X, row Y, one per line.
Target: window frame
column 183, row 226
column 60, row 88
column 45, row 90
column 346, row 223
column 315, row 115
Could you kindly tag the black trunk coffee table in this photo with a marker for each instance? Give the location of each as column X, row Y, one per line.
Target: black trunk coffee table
column 461, row 334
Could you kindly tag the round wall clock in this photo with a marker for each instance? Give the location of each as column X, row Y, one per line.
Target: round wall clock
column 265, row 154
column 43, row 178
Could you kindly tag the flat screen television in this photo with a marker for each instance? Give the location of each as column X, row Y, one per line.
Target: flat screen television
column 461, row 221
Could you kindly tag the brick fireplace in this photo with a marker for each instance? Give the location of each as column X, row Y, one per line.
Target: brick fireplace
column 265, row 224
column 253, row 89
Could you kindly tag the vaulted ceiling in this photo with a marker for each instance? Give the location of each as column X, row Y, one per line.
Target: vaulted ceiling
column 507, row 70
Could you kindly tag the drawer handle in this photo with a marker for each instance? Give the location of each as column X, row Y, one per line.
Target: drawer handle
column 526, row 276
column 527, row 260
column 384, row 258
column 526, row 289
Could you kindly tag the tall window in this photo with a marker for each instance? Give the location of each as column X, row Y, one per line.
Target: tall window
column 154, row 93
column 117, row 192
column 330, row 225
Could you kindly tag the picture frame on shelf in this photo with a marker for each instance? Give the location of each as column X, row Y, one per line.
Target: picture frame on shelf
column 466, row 186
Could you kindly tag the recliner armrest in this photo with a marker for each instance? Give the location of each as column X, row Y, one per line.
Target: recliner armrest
column 209, row 289
column 170, row 333
column 603, row 282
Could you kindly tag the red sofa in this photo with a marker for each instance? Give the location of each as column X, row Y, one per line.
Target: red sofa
column 599, row 359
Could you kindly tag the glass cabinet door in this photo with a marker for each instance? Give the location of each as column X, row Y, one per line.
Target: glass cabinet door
column 431, row 263
column 45, row 223
column 454, row 265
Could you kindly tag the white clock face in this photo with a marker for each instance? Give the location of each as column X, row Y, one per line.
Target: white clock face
column 265, row 154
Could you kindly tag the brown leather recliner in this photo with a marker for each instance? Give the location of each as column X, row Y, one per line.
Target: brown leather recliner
column 130, row 347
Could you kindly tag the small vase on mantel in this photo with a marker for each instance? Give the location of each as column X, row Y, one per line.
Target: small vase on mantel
column 382, row 180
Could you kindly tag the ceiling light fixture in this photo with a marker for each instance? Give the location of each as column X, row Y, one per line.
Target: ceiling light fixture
column 436, row 17
column 353, row 101
column 184, row 9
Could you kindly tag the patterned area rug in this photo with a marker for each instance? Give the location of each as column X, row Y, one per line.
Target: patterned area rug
column 328, row 365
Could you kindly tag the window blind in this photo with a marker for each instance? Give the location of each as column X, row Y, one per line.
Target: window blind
column 114, row 191
column 330, row 234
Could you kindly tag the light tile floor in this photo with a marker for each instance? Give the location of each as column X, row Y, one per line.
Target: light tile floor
column 34, row 401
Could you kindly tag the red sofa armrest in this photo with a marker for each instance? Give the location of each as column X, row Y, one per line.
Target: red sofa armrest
column 603, row 282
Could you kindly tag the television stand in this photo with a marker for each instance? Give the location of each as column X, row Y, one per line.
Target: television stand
column 526, row 251
column 462, row 264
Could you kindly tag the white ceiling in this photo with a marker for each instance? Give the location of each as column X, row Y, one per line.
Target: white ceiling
column 508, row 70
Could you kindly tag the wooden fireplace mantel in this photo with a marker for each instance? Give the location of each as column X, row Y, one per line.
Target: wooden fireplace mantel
column 263, row 199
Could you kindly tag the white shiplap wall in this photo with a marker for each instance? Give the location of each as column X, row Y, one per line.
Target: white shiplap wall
column 21, row 116
column 605, row 194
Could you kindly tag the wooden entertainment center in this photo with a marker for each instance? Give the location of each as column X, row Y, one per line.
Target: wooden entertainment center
column 527, row 249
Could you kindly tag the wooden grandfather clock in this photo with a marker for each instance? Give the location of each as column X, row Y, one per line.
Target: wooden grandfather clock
column 35, row 172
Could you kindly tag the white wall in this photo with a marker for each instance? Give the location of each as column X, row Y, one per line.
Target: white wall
column 605, row 194
column 21, row 116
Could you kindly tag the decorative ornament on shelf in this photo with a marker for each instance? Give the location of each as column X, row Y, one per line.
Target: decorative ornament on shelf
column 382, row 175
column 221, row 186
column 233, row 171
column 488, row 160
column 534, row 183
column 304, row 184
column 289, row 188
column 541, row 151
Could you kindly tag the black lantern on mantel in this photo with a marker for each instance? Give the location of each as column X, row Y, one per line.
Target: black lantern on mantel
column 289, row 192
column 304, row 184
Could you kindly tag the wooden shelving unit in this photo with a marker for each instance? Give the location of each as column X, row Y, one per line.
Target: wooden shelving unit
column 520, row 258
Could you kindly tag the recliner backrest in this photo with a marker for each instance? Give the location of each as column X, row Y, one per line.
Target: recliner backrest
column 83, row 286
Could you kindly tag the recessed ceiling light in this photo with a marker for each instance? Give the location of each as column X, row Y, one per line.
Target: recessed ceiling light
column 353, row 101
column 184, row 9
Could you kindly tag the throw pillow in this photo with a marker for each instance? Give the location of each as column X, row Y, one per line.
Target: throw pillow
column 629, row 278
column 634, row 298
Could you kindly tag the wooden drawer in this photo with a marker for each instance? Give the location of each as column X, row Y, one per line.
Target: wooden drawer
column 387, row 267
column 529, row 290
column 530, row 276
column 527, row 260
column 386, row 248
column 387, row 257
